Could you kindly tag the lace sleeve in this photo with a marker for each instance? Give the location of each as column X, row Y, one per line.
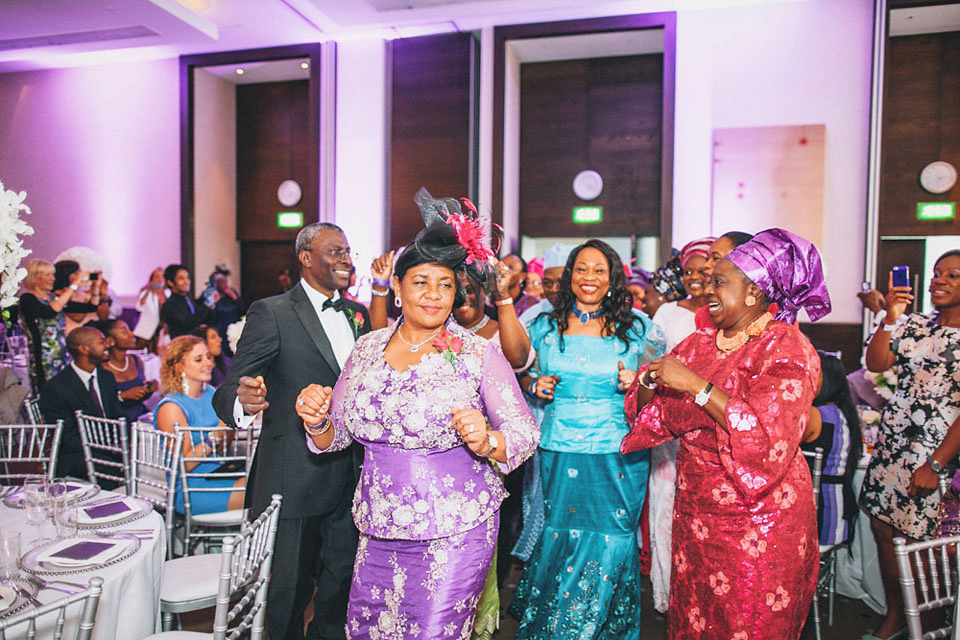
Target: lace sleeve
column 506, row 409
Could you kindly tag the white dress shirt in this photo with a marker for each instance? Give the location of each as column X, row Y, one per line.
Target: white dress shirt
column 339, row 332
column 85, row 379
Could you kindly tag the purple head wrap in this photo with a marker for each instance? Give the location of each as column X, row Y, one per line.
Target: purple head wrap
column 639, row 277
column 788, row 270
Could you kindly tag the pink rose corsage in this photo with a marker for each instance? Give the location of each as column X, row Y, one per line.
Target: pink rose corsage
column 449, row 346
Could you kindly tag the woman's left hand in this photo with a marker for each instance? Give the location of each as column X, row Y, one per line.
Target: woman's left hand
column 924, row 481
column 671, row 373
column 625, row 377
column 472, row 427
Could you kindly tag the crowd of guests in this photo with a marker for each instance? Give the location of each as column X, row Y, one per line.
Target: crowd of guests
column 593, row 420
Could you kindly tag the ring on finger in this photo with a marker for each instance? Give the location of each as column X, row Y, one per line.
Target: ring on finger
column 300, row 402
column 469, row 428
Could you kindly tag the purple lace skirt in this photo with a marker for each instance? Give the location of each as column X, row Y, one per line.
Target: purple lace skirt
column 420, row 588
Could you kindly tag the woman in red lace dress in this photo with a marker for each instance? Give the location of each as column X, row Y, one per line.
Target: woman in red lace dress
column 738, row 394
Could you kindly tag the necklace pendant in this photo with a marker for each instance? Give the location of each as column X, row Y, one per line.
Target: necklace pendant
column 414, row 348
column 584, row 318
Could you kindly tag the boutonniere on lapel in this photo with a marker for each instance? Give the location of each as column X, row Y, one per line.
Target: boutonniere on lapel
column 448, row 346
column 356, row 321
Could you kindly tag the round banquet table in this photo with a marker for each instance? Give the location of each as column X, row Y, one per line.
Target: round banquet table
column 130, row 603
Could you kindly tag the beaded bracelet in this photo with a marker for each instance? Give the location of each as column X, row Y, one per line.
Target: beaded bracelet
column 319, row 430
column 380, row 294
column 504, row 302
column 380, row 282
column 532, row 389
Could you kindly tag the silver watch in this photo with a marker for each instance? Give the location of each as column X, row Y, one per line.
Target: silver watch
column 704, row 396
column 936, row 466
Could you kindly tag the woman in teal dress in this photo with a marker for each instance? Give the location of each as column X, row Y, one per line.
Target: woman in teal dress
column 583, row 579
column 184, row 374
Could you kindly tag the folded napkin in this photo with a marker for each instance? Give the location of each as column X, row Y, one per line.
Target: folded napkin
column 81, row 552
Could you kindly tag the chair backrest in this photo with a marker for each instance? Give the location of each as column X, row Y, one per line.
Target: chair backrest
column 244, row 577
column 928, row 574
column 28, row 449
column 154, row 461
column 105, row 448
column 34, row 415
column 25, row 624
column 816, row 471
column 230, row 457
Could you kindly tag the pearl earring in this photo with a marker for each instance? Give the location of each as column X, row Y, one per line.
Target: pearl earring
column 749, row 301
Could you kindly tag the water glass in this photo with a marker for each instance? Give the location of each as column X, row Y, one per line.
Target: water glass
column 66, row 521
column 37, row 502
column 9, row 554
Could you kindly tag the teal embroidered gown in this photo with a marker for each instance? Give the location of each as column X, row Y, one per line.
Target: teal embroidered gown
column 583, row 579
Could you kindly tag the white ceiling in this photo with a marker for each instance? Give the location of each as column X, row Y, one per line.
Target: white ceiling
column 36, row 34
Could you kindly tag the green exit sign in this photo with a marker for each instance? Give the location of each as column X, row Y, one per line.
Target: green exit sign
column 936, row 210
column 587, row 215
column 290, row 219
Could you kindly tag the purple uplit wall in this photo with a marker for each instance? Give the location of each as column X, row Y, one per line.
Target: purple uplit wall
column 96, row 150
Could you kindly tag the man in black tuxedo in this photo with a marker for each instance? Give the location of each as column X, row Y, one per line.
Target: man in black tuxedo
column 180, row 312
column 83, row 385
column 289, row 341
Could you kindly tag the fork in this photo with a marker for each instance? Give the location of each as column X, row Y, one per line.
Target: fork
column 25, row 594
column 44, row 584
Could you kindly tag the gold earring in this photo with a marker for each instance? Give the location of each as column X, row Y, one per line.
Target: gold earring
column 749, row 301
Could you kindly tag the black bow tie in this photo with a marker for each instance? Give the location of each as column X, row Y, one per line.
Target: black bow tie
column 336, row 304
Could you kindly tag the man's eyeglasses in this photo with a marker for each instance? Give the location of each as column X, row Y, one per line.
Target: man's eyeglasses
column 336, row 254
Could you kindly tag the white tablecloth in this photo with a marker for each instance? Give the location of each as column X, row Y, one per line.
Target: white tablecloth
column 858, row 570
column 130, row 604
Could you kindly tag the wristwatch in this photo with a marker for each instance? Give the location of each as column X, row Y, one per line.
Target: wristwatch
column 936, row 466
column 491, row 446
column 704, row 395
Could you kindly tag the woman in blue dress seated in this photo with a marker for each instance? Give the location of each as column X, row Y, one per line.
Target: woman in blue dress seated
column 841, row 440
column 184, row 375
column 583, row 579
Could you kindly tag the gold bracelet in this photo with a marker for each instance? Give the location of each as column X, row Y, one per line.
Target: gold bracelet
column 504, row 302
column 319, row 430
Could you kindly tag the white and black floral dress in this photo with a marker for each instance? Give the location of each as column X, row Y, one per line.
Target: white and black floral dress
column 914, row 423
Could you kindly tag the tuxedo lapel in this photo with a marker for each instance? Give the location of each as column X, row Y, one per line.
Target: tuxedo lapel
column 311, row 324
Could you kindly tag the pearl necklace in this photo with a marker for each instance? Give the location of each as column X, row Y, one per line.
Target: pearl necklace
column 118, row 370
column 480, row 325
column 416, row 347
column 755, row 328
column 587, row 316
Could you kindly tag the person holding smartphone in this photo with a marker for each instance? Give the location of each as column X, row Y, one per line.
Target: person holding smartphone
column 920, row 427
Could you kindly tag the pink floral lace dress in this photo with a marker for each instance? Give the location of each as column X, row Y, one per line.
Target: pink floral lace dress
column 427, row 508
column 745, row 554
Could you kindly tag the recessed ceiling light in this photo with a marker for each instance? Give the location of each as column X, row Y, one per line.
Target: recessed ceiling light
column 304, row 65
column 239, row 72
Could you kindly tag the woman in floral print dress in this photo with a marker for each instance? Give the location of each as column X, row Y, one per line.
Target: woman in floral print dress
column 738, row 395
column 920, row 425
column 417, row 395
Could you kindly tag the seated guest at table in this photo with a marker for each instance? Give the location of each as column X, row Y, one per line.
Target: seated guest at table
column 181, row 313
column 221, row 361
column 83, row 385
column 188, row 401
column 841, row 440
column 127, row 368
column 42, row 311
column 920, row 426
column 738, row 394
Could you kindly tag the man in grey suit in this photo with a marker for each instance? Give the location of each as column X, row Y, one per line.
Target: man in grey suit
column 291, row 340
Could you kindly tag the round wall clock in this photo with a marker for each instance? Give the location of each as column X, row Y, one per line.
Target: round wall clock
column 587, row 184
column 938, row 177
column 289, row 193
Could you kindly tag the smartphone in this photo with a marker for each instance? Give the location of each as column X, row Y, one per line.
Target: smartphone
column 94, row 276
column 901, row 276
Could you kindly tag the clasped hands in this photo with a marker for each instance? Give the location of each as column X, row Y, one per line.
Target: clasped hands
column 671, row 373
column 312, row 405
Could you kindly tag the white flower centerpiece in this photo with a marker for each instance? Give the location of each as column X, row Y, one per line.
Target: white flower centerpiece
column 884, row 381
column 12, row 253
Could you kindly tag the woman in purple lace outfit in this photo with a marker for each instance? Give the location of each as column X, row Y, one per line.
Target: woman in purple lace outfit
column 418, row 396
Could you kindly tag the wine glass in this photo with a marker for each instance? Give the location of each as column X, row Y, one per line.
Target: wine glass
column 59, row 503
column 37, row 502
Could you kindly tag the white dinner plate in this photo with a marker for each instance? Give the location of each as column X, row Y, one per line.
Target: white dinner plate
column 105, row 512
